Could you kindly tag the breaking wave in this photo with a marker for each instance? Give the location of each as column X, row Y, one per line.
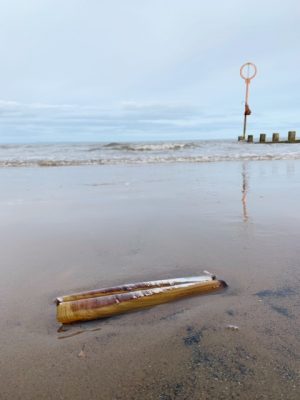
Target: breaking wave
column 156, row 147
column 148, row 160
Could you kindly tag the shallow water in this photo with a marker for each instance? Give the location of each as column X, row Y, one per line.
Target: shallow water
column 137, row 153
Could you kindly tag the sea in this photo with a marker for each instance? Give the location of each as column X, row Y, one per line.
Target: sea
column 156, row 152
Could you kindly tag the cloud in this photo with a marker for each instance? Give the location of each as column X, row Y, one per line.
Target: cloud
column 26, row 122
column 62, row 122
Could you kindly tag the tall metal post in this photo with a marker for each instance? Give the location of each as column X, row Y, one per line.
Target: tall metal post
column 247, row 72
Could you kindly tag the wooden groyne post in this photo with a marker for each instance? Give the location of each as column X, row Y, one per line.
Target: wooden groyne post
column 275, row 138
column 262, row 138
column 291, row 136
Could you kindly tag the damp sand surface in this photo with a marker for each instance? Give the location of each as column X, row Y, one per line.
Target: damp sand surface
column 79, row 228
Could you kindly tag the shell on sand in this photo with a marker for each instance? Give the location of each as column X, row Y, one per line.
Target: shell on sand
column 107, row 302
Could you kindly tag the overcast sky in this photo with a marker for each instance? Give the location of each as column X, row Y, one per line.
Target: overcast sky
column 94, row 70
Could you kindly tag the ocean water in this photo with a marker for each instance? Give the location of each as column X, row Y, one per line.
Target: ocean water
column 51, row 155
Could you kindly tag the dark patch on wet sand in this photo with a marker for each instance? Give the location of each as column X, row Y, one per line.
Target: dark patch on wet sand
column 221, row 366
column 269, row 296
column 287, row 374
column 230, row 312
column 278, row 293
column 218, row 363
column 193, row 336
column 281, row 310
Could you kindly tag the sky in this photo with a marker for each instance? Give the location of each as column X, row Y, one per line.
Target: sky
column 117, row 70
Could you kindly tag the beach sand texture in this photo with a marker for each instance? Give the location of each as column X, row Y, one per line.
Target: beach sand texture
column 65, row 230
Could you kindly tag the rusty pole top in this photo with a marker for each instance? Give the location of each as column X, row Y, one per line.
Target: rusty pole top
column 248, row 71
column 245, row 71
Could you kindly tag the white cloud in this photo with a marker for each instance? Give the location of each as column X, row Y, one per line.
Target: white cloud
column 67, row 122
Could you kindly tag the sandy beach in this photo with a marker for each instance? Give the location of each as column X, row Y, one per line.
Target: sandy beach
column 79, row 228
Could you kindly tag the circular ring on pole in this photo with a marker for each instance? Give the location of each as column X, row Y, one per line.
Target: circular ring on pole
column 246, row 69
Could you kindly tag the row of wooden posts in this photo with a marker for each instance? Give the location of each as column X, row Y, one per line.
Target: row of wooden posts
column 275, row 138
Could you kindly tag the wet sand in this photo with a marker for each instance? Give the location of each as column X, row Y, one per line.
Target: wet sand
column 71, row 229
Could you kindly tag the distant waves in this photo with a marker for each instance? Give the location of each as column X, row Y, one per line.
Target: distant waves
column 60, row 155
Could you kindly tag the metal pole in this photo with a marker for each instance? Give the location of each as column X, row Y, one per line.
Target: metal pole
column 247, row 81
column 245, row 125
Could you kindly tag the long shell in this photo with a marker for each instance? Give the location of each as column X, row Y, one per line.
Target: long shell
column 107, row 306
column 130, row 287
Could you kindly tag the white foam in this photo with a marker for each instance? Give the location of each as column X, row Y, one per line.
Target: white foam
column 59, row 155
